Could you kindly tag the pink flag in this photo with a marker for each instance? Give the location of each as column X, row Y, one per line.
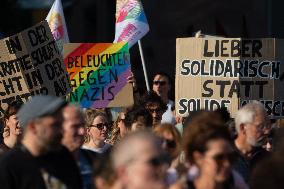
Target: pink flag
column 131, row 22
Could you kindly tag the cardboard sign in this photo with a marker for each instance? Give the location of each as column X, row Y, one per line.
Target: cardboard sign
column 227, row 72
column 31, row 64
column 98, row 74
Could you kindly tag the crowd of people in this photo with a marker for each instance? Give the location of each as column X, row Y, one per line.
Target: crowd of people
column 51, row 144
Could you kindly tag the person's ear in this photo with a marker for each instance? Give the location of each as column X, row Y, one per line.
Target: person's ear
column 242, row 128
column 88, row 129
column 6, row 122
column 31, row 126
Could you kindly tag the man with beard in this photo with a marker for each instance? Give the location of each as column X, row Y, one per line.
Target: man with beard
column 251, row 121
column 33, row 164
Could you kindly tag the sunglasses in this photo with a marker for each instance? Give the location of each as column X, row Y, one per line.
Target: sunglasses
column 159, row 160
column 156, row 110
column 219, row 158
column 169, row 143
column 101, row 126
column 161, row 83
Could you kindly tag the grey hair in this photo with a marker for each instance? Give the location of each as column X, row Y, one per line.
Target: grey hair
column 247, row 113
column 127, row 149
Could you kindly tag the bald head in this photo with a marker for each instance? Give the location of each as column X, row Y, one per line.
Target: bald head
column 73, row 127
column 137, row 161
column 133, row 145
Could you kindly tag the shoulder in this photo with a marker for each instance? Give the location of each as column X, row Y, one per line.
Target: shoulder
column 4, row 148
column 239, row 182
column 13, row 160
column 89, row 154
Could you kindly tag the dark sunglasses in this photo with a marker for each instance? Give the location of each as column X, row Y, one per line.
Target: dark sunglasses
column 162, row 83
column 101, row 126
column 170, row 143
column 219, row 158
column 156, row 110
column 159, row 160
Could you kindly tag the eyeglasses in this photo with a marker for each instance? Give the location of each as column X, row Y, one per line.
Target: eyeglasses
column 219, row 158
column 159, row 160
column 101, row 126
column 121, row 119
column 154, row 110
column 162, row 83
column 169, row 143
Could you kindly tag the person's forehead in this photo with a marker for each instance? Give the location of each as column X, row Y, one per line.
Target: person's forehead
column 141, row 119
column 218, row 145
column 76, row 120
column 260, row 118
column 13, row 116
column 72, row 112
column 99, row 119
column 146, row 147
column 160, row 78
column 50, row 118
column 168, row 135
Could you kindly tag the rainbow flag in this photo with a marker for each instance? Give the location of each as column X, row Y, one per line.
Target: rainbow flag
column 131, row 22
column 98, row 74
column 57, row 24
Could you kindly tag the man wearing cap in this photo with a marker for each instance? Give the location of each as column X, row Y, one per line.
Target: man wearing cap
column 41, row 119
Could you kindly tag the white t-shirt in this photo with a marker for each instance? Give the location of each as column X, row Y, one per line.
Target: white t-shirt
column 98, row 150
column 168, row 116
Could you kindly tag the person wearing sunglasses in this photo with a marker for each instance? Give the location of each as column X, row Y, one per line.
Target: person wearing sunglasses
column 119, row 129
column 162, row 87
column 138, row 161
column 97, row 131
column 207, row 145
column 171, row 143
column 154, row 105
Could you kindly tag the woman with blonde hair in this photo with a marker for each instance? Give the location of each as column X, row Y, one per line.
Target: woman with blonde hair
column 171, row 143
column 97, row 128
column 119, row 129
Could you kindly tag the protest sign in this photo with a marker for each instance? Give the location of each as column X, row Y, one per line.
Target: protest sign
column 98, row 74
column 229, row 72
column 31, row 64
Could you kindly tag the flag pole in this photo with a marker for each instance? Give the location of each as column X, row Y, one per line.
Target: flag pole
column 144, row 65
